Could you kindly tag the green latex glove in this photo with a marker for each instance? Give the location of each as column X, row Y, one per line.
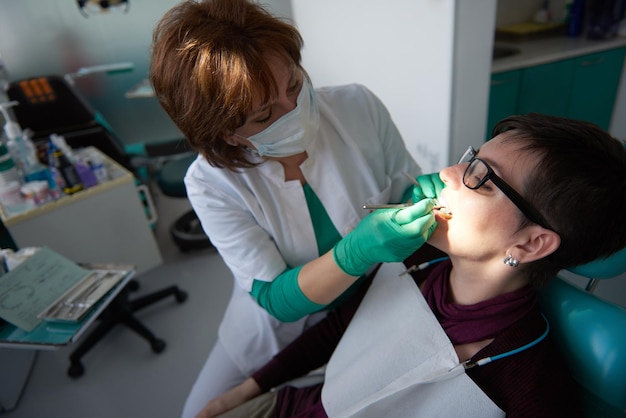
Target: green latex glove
column 385, row 235
column 430, row 186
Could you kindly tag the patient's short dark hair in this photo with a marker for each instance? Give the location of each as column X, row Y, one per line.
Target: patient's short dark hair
column 578, row 185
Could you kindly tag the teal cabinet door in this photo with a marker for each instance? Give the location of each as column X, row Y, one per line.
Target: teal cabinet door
column 580, row 88
column 546, row 88
column 595, row 83
column 502, row 97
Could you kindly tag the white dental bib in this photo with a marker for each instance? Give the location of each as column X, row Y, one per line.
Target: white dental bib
column 395, row 360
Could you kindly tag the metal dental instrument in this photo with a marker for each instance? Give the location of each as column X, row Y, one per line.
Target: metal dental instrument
column 394, row 206
column 399, row 206
column 410, row 177
column 389, row 206
column 403, row 205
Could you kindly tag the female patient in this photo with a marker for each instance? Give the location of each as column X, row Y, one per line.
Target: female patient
column 533, row 200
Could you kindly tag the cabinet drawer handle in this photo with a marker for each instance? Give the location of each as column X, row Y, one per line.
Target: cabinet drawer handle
column 500, row 82
column 143, row 189
column 589, row 63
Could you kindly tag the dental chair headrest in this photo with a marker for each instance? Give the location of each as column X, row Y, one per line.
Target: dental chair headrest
column 604, row 268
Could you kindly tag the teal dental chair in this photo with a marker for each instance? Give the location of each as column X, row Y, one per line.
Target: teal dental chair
column 166, row 163
column 591, row 333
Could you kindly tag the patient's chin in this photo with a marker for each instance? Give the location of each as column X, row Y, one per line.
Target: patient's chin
column 439, row 238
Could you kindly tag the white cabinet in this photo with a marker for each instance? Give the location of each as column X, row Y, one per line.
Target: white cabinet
column 105, row 223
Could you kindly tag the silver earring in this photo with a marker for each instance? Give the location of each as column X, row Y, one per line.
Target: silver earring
column 510, row 261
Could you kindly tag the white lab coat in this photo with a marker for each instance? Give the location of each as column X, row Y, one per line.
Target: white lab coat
column 260, row 224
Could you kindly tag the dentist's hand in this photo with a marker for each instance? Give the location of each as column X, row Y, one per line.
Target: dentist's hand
column 385, row 235
column 430, row 186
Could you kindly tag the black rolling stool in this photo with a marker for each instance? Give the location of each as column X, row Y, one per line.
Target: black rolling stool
column 121, row 311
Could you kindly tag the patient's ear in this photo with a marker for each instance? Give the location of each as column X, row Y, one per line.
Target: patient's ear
column 540, row 243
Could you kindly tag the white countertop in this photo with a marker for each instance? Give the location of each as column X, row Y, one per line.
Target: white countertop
column 551, row 49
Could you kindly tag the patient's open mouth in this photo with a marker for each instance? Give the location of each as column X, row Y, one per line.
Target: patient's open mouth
column 442, row 209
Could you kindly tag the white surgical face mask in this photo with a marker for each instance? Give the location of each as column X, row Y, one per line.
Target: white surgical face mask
column 292, row 132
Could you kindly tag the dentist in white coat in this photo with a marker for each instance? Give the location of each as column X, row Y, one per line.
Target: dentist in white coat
column 281, row 178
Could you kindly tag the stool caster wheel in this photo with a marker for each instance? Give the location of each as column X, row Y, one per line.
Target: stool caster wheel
column 181, row 296
column 158, row 346
column 76, row 370
column 133, row 285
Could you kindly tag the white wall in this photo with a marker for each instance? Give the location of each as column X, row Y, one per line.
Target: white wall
column 404, row 51
column 401, row 50
column 472, row 74
column 280, row 8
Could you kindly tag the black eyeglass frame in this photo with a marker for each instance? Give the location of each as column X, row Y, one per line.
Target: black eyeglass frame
column 529, row 211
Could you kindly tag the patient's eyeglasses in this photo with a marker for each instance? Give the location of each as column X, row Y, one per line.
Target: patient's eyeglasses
column 478, row 172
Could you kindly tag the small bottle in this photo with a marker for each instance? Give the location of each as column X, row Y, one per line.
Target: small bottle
column 59, row 163
column 55, row 183
column 83, row 170
column 8, row 170
column 99, row 169
column 576, row 21
column 29, row 165
column 87, row 177
column 11, row 199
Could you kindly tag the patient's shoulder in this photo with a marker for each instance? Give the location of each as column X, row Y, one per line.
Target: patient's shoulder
column 535, row 382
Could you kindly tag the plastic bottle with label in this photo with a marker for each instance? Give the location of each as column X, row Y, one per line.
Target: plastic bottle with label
column 21, row 147
column 10, row 183
column 575, row 25
column 99, row 169
column 25, row 156
column 64, row 170
column 8, row 170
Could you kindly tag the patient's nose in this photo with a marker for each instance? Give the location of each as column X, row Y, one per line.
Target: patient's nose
column 452, row 175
